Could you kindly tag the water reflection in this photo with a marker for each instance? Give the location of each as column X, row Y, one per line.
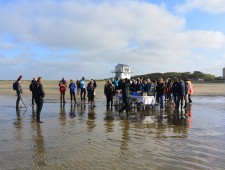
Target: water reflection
column 125, row 126
column 180, row 122
column 72, row 111
column 188, row 112
column 109, row 121
column 39, row 147
column 18, row 124
column 81, row 107
column 72, row 114
column 62, row 114
column 91, row 119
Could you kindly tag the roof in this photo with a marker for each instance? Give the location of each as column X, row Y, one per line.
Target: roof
column 123, row 65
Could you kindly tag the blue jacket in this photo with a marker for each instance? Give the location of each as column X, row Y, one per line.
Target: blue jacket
column 82, row 84
column 72, row 87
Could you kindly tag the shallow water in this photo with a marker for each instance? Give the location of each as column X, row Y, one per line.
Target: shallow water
column 83, row 138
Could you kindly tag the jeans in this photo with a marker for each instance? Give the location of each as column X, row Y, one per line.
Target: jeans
column 82, row 93
column 161, row 98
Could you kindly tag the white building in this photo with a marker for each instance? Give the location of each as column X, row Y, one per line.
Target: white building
column 122, row 71
column 224, row 73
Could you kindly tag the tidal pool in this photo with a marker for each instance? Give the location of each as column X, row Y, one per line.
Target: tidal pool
column 81, row 137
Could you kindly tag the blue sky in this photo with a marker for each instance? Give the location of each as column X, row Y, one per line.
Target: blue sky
column 72, row 39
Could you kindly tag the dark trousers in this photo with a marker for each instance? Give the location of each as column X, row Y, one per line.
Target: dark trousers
column 62, row 97
column 72, row 96
column 39, row 103
column 32, row 100
column 180, row 101
column 18, row 101
column 189, row 98
column 82, row 93
column 126, row 106
column 109, row 100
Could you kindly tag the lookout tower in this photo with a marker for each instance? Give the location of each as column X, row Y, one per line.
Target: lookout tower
column 122, row 71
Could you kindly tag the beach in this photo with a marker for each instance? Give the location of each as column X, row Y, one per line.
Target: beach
column 77, row 136
column 52, row 89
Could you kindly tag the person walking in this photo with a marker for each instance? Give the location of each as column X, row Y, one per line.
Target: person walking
column 32, row 86
column 72, row 87
column 82, row 89
column 62, row 89
column 126, row 96
column 39, row 98
column 17, row 86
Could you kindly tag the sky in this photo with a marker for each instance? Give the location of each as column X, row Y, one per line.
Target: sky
column 88, row 38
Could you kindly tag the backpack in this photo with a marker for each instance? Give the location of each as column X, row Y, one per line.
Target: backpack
column 15, row 85
column 62, row 88
column 31, row 86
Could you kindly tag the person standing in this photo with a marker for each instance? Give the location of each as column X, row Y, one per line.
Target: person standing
column 32, row 86
column 82, row 89
column 78, row 86
column 91, row 91
column 17, row 86
column 181, row 94
column 147, row 88
column 109, row 92
column 175, row 91
column 72, row 88
column 190, row 91
column 161, row 88
column 62, row 89
column 126, row 96
column 39, row 98
column 95, row 85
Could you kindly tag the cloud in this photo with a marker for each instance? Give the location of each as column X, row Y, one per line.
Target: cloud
column 204, row 5
column 75, row 39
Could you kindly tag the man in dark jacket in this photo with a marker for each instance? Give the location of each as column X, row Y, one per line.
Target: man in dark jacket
column 160, row 89
column 109, row 92
column 33, row 83
column 39, row 95
column 181, row 93
column 125, row 95
column 19, row 91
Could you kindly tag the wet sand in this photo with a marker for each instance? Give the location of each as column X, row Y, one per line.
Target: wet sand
column 81, row 137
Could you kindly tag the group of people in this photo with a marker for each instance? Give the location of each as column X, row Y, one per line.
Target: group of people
column 177, row 92
column 38, row 94
column 81, row 88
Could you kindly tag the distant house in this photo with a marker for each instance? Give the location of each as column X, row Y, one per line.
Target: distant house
column 122, row 71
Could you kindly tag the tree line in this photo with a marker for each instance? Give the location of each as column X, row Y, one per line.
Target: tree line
column 196, row 75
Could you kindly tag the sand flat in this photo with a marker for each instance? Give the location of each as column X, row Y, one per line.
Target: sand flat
column 52, row 90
